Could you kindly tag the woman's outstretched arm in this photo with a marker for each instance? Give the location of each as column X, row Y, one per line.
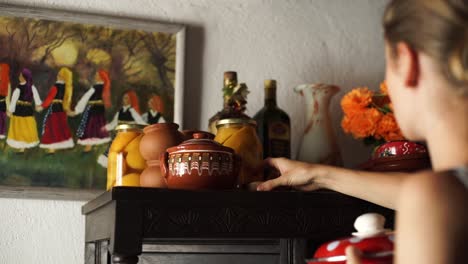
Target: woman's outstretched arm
column 376, row 187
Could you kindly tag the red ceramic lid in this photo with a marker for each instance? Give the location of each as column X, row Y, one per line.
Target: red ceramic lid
column 375, row 242
column 202, row 141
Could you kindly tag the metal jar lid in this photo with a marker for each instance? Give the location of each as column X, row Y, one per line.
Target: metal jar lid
column 129, row 127
column 235, row 121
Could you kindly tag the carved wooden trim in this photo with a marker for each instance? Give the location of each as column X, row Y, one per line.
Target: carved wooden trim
column 246, row 222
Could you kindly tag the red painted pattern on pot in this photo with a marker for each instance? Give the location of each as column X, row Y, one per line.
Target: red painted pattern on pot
column 398, row 148
column 200, row 162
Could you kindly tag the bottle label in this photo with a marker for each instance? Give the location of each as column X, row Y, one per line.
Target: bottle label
column 279, row 140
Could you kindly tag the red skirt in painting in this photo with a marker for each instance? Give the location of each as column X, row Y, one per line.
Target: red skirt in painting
column 56, row 133
column 90, row 130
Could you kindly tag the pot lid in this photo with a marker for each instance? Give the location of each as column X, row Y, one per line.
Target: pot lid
column 371, row 238
column 202, row 141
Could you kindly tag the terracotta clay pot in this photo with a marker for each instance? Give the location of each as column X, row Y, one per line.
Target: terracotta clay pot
column 200, row 163
column 157, row 138
column 152, row 176
column 372, row 239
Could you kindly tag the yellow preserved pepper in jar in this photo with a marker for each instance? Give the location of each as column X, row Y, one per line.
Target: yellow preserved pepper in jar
column 125, row 162
column 240, row 134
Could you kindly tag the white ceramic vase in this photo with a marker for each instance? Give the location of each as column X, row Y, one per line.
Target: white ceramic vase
column 319, row 141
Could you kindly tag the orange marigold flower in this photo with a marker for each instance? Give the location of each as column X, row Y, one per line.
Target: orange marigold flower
column 388, row 128
column 362, row 124
column 383, row 87
column 346, row 124
column 356, row 100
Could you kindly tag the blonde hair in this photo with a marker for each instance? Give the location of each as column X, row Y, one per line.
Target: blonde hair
column 439, row 28
column 67, row 76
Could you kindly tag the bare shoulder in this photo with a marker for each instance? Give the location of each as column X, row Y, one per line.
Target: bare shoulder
column 437, row 188
column 432, row 205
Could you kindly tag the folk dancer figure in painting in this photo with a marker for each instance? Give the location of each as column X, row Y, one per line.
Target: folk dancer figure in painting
column 22, row 132
column 55, row 130
column 155, row 110
column 4, row 98
column 93, row 105
column 128, row 114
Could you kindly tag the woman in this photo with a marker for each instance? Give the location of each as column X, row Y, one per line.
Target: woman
column 427, row 77
column 155, row 110
column 4, row 93
column 22, row 133
column 93, row 105
column 128, row 114
column 55, row 130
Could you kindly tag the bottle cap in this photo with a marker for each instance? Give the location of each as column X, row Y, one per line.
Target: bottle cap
column 230, row 75
column 270, row 84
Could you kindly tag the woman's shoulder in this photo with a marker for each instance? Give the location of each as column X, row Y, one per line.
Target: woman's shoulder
column 441, row 181
column 435, row 189
column 432, row 205
column 435, row 203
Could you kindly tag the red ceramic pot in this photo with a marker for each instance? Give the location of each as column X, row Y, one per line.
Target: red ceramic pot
column 200, row 163
column 375, row 242
column 398, row 148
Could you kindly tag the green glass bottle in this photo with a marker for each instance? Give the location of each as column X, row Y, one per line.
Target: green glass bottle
column 273, row 125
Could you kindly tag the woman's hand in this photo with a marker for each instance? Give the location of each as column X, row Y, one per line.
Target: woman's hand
column 353, row 255
column 39, row 108
column 296, row 174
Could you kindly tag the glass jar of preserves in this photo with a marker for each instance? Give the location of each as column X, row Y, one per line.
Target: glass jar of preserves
column 125, row 162
column 240, row 134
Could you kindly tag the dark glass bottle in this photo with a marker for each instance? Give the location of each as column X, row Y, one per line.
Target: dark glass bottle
column 273, row 125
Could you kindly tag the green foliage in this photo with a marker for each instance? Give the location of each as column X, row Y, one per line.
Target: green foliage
column 68, row 168
column 372, row 141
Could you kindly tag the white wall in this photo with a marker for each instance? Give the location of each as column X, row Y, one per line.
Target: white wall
column 330, row 41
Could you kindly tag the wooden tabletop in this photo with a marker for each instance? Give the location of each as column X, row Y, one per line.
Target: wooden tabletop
column 236, row 213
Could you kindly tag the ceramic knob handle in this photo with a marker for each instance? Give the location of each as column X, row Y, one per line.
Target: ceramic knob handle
column 369, row 223
column 203, row 135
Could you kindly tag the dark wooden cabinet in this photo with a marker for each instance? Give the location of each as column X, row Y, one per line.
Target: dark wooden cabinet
column 144, row 225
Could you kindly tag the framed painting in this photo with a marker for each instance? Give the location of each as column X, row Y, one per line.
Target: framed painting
column 66, row 80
